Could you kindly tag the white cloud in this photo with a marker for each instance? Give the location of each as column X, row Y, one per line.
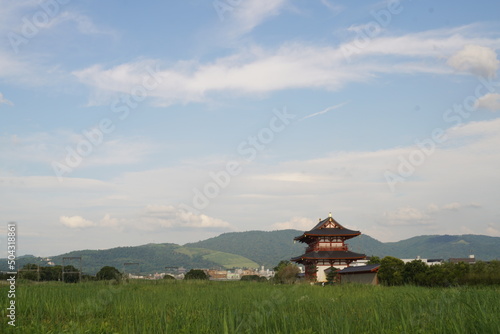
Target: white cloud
column 466, row 230
column 76, row 222
column 406, row 216
column 475, row 59
column 452, row 206
column 175, row 217
column 83, row 23
column 27, row 66
column 432, row 208
column 338, row 181
column 44, row 147
column 248, row 14
column 493, row 230
column 290, row 177
column 297, row 223
column 334, row 8
column 490, row 101
column 107, row 220
column 3, row 100
column 455, row 206
column 434, row 44
column 255, row 70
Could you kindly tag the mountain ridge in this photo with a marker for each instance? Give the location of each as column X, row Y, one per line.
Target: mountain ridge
column 256, row 248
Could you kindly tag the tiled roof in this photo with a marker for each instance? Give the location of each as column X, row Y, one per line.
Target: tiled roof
column 327, row 220
column 360, row 269
column 327, row 255
column 328, row 232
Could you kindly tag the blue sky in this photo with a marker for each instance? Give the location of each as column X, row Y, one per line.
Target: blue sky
column 124, row 123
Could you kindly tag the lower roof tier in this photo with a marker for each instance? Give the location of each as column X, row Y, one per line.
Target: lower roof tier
column 329, row 255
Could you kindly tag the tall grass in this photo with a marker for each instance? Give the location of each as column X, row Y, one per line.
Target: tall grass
column 249, row 307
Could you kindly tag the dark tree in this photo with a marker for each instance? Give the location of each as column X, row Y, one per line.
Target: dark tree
column 281, row 265
column 70, row 274
column 253, row 278
column 196, row 274
column 331, row 276
column 286, row 273
column 414, row 272
column 374, row 260
column 108, row 273
column 391, row 271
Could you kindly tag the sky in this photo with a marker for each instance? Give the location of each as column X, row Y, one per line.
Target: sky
column 124, row 123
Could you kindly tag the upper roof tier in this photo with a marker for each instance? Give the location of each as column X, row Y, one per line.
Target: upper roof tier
column 328, row 227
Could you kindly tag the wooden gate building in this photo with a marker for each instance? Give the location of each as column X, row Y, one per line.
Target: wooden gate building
column 326, row 248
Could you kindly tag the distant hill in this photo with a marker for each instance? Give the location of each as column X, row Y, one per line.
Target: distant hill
column 265, row 248
column 446, row 246
column 268, row 248
column 152, row 258
column 256, row 248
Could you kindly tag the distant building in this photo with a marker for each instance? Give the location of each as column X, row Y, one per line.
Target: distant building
column 360, row 274
column 326, row 248
column 233, row 276
column 217, row 274
column 429, row 262
column 470, row 260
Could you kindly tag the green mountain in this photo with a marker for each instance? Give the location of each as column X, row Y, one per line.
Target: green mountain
column 151, row 258
column 268, row 248
column 255, row 248
column 447, row 246
column 265, row 248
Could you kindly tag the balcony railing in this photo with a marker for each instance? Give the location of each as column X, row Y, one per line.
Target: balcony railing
column 326, row 248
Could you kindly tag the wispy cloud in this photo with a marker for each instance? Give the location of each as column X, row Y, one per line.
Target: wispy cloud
column 334, row 8
column 475, row 59
column 22, row 22
column 170, row 216
column 298, row 223
column 256, row 70
column 490, row 101
column 338, row 181
column 84, row 24
column 45, row 147
column 324, row 111
column 406, row 216
column 244, row 16
column 76, row 222
column 3, row 100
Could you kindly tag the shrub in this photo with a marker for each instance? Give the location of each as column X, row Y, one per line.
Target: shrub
column 196, row 274
column 108, row 273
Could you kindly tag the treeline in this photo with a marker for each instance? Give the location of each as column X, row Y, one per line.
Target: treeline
column 53, row 273
column 152, row 258
column 34, row 272
column 394, row 271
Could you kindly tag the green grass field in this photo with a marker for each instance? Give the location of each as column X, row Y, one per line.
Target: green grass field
column 248, row 307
